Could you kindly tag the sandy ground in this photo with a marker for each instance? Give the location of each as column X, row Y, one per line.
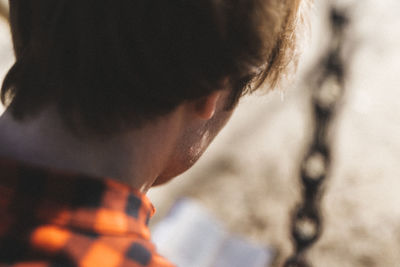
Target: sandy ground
column 249, row 176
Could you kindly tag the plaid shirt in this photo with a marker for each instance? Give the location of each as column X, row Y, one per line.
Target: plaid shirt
column 53, row 218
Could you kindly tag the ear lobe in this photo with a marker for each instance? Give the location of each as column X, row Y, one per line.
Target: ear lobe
column 206, row 106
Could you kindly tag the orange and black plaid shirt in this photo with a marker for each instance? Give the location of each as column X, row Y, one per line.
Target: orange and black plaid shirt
column 52, row 218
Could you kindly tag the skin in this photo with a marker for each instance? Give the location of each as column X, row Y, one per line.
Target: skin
column 143, row 157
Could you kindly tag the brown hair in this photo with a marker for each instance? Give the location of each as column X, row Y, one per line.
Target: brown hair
column 113, row 64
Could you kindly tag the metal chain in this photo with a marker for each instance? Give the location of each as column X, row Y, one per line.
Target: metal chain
column 327, row 89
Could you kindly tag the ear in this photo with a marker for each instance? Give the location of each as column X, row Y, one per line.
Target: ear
column 206, row 106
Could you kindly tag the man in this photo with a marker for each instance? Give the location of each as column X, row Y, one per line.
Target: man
column 108, row 98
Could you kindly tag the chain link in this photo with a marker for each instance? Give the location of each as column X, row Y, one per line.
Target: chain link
column 327, row 89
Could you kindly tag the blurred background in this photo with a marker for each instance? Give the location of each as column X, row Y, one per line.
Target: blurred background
column 249, row 177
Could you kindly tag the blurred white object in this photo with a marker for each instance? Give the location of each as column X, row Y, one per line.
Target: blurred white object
column 190, row 236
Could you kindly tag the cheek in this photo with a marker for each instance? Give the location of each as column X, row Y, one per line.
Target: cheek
column 198, row 147
column 185, row 155
column 191, row 145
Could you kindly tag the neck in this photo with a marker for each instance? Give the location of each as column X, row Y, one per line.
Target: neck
column 137, row 157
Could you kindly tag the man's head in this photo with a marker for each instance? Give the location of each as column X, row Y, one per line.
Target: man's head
column 109, row 65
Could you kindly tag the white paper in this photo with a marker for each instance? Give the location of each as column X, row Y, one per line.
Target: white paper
column 190, row 237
